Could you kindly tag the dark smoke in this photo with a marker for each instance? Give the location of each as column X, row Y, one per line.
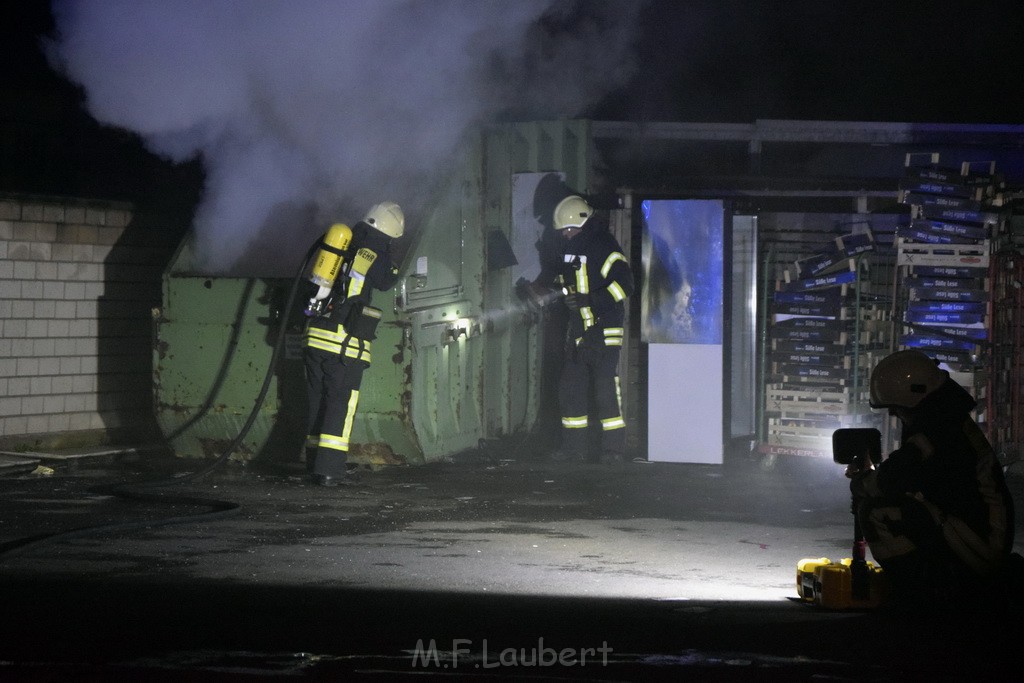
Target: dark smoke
column 305, row 112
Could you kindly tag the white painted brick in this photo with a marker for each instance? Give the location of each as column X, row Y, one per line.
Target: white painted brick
column 18, row 386
column 15, row 329
column 93, row 327
column 49, row 366
column 47, row 232
column 22, row 308
column 8, row 367
column 69, row 271
column 81, row 252
column 53, row 290
column 86, row 309
column 78, row 328
column 5, row 309
column 74, row 403
column 74, row 214
column 59, row 330
column 44, row 310
column 31, row 405
column 36, row 328
column 70, row 366
column 21, row 348
column 31, row 212
column 41, row 385
column 109, row 235
column 46, row 271
column 93, row 290
column 27, row 367
column 37, row 424
column 6, row 226
column 24, row 231
column 6, row 265
column 90, row 401
column 10, row 406
column 101, row 252
column 74, row 290
column 42, row 348
column 64, row 309
column 61, row 384
column 53, row 404
column 20, row 250
column 64, row 347
column 83, row 384
column 86, row 346
column 107, row 420
column 30, row 251
column 53, row 213
column 5, row 346
column 62, row 252
column 92, row 272
column 10, row 289
column 15, row 425
column 94, row 216
column 89, row 365
column 4, row 387
column 24, row 270
column 58, row 423
column 87, row 234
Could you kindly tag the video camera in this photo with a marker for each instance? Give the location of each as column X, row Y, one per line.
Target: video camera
column 854, row 443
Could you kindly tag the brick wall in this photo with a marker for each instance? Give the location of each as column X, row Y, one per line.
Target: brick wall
column 75, row 295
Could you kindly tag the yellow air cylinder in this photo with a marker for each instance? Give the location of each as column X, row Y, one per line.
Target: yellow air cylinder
column 328, row 260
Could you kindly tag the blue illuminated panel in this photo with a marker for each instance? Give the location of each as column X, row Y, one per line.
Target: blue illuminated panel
column 681, row 298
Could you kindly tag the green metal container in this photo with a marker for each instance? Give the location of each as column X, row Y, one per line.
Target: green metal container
column 458, row 355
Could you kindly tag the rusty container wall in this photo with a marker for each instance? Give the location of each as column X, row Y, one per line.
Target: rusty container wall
column 458, row 355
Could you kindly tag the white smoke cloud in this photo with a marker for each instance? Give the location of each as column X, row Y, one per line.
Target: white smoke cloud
column 308, row 111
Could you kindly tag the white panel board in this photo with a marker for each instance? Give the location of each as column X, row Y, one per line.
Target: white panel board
column 684, row 403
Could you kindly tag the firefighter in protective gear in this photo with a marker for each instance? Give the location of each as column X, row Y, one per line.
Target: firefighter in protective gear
column 936, row 512
column 596, row 280
column 338, row 341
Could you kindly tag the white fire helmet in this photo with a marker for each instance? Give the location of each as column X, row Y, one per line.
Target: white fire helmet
column 572, row 212
column 386, row 217
column 903, row 379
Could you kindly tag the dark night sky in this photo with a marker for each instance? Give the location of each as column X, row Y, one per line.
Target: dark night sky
column 737, row 61
column 709, row 61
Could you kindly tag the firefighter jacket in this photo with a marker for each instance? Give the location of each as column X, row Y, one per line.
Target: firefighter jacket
column 946, row 463
column 349, row 323
column 597, row 279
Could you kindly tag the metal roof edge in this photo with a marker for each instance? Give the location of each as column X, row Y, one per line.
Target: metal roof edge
column 782, row 130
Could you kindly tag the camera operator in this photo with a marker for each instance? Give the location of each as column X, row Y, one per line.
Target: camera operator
column 936, row 513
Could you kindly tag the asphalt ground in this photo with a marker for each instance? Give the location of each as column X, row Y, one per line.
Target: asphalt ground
column 497, row 563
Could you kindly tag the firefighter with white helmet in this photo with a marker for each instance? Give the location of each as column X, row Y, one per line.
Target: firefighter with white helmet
column 341, row 329
column 596, row 279
column 936, row 512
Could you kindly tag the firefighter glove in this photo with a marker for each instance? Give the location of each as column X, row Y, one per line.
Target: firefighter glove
column 577, row 301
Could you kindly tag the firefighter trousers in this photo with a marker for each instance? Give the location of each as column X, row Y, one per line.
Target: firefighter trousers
column 590, row 380
column 908, row 542
column 332, row 390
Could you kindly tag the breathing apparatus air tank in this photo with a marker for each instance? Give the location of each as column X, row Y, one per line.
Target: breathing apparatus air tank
column 328, row 264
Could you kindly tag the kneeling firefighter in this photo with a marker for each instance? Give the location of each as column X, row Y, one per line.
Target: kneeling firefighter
column 936, row 513
column 351, row 263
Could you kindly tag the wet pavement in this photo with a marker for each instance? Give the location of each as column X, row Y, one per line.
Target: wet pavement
column 495, row 564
